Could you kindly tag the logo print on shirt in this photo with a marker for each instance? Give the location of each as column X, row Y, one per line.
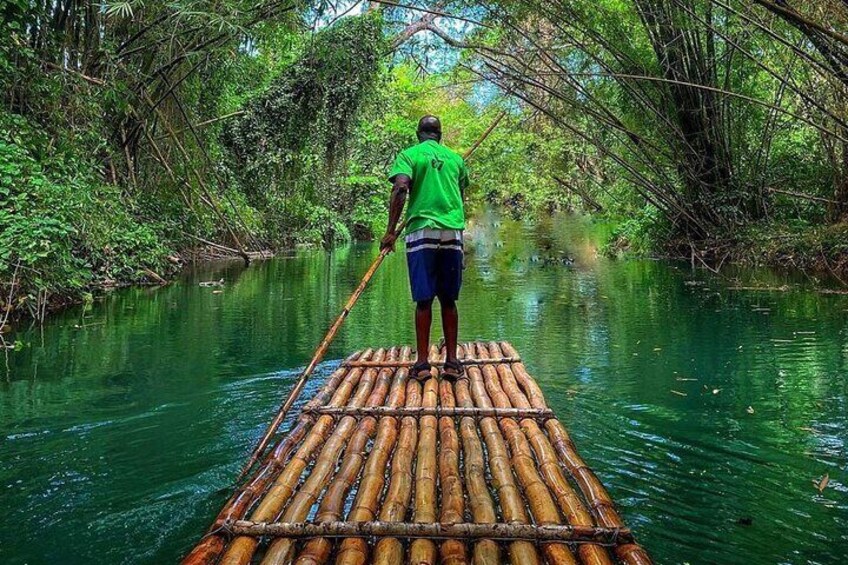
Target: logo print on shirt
column 437, row 163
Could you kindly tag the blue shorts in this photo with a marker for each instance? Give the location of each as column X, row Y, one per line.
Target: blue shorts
column 434, row 258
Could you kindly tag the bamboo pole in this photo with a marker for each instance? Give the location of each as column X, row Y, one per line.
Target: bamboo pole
column 241, row 549
column 280, row 550
column 389, row 550
column 485, row 134
column 548, row 464
column 423, row 550
column 411, row 362
column 317, row 356
column 433, row 531
column 452, row 507
column 317, row 551
column 212, row 545
column 354, row 551
column 438, row 411
column 486, row 552
column 512, row 505
column 538, row 497
column 601, row 503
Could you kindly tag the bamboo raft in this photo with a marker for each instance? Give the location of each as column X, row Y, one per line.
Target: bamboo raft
column 381, row 468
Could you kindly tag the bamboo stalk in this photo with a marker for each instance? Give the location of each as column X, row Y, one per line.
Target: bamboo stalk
column 452, row 507
column 538, row 497
column 485, row 134
column 410, row 363
column 241, row 549
column 512, row 505
column 354, row 551
column 433, row 531
column 601, row 503
column 212, row 545
column 438, row 411
column 317, row 551
column 424, row 550
column 280, row 550
column 567, row 499
column 389, row 550
column 486, row 552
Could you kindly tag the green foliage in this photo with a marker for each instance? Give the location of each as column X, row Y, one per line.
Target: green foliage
column 281, row 129
column 304, row 119
column 61, row 229
column 639, row 234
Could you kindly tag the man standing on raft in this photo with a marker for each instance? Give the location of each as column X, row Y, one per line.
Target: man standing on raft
column 435, row 178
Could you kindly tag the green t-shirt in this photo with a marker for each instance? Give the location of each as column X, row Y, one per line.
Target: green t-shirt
column 438, row 178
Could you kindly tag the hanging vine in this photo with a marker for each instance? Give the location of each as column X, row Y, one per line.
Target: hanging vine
column 304, row 120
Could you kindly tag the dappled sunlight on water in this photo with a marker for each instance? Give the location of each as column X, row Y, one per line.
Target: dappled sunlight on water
column 708, row 412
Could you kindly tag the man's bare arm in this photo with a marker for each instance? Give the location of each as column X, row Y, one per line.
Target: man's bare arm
column 400, row 189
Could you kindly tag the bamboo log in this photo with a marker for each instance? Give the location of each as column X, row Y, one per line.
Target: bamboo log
column 241, row 549
column 410, row 363
column 452, row 508
column 486, row 552
column 433, row 531
column 438, row 411
column 512, row 505
column 317, row 551
column 390, row 551
column 548, row 464
column 600, row 502
column 280, row 550
column 528, row 383
column 423, row 551
column 354, row 551
column 538, row 497
column 212, row 545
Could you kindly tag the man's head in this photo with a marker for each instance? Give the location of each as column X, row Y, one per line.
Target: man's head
column 429, row 127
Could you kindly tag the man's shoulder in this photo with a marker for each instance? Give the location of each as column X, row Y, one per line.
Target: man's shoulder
column 448, row 152
column 456, row 155
column 422, row 150
column 411, row 153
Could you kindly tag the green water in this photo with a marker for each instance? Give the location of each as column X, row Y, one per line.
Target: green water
column 122, row 425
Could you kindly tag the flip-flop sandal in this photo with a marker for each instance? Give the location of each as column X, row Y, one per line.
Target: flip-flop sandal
column 421, row 371
column 452, row 370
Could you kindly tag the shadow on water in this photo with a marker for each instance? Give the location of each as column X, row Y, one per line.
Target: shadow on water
column 708, row 412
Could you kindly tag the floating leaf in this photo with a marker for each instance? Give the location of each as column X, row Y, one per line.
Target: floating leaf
column 822, row 483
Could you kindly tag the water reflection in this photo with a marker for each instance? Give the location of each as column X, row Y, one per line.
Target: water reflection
column 702, row 408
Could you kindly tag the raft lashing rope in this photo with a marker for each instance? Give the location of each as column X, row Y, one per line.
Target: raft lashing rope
column 382, row 468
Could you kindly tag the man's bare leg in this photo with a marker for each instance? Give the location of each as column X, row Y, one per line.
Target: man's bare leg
column 423, row 319
column 450, row 327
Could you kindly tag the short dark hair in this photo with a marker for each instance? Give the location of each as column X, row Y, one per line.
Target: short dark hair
column 429, row 127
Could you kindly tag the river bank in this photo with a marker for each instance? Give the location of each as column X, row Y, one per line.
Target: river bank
column 820, row 254
column 39, row 305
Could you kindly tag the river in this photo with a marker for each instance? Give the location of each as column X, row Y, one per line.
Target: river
column 708, row 412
